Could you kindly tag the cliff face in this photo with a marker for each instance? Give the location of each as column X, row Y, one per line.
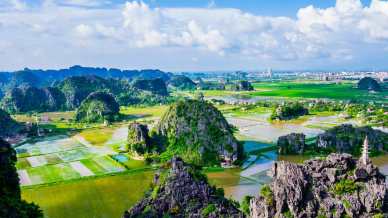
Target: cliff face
column 341, row 139
column 8, row 126
column 138, row 138
column 98, row 107
column 293, row 143
column 198, row 132
column 368, row 83
column 156, row 86
column 33, row 99
column 11, row 204
column 77, row 88
column 288, row 111
column 181, row 83
column 243, row 86
column 337, row 186
column 348, row 139
column 183, row 192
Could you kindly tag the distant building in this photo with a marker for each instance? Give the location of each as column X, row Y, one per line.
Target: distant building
column 269, row 73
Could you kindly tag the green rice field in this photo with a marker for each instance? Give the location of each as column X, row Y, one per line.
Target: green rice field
column 342, row 91
column 102, row 197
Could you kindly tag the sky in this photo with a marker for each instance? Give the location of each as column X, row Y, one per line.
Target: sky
column 194, row 35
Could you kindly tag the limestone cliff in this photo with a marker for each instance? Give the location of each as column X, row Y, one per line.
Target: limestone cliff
column 11, row 204
column 198, row 132
column 8, row 126
column 183, row 192
column 293, row 143
column 98, row 107
column 138, row 138
column 337, row 186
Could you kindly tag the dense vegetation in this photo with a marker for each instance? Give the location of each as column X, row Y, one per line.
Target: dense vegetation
column 242, row 85
column 69, row 93
column 155, row 86
column 11, row 204
column 77, row 88
column 39, row 78
column 288, row 111
column 340, row 139
column 98, row 107
column 181, row 83
column 8, row 126
column 368, row 83
column 348, row 139
column 138, row 139
column 198, row 132
column 32, row 99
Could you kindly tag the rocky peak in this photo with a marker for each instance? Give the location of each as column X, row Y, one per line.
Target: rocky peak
column 348, row 139
column 183, row 192
column 198, row 132
column 336, row 186
column 98, row 107
column 293, row 143
column 138, row 139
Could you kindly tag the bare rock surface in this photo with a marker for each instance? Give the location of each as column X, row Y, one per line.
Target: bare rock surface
column 337, row 186
column 183, row 192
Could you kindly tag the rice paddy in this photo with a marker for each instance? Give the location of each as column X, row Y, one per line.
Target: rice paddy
column 62, row 158
column 340, row 91
column 106, row 196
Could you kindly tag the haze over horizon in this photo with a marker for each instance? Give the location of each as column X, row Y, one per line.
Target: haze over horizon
column 194, row 35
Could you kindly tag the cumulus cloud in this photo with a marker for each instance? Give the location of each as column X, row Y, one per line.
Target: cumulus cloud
column 341, row 33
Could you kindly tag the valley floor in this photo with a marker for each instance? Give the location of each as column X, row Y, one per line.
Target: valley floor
column 84, row 175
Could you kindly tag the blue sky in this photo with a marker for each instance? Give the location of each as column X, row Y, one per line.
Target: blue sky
column 198, row 35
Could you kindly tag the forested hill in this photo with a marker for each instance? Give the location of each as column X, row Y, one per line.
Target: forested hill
column 42, row 78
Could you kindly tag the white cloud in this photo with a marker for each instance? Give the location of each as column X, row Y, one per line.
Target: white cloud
column 340, row 34
column 84, row 31
column 86, row 3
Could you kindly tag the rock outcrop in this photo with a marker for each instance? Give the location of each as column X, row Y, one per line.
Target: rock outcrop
column 98, row 107
column 183, row 192
column 138, row 138
column 77, row 88
column 11, row 204
column 181, row 83
column 338, row 186
column 8, row 126
column 198, row 132
column 288, row 111
column 348, row 139
column 26, row 99
column 293, row 143
column 242, row 85
column 155, row 86
column 368, row 83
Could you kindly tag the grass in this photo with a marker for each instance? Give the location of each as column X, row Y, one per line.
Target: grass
column 134, row 164
column 345, row 186
column 343, row 91
column 97, row 136
column 93, row 166
column 150, row 111
column 52, row 116
column 98, row 197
